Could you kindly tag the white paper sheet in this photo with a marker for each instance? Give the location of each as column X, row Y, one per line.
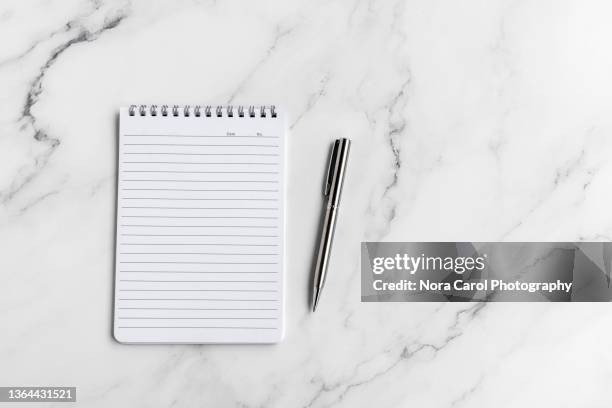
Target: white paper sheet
column 199, row 254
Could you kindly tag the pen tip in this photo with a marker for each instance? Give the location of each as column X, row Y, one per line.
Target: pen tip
column 315, row 300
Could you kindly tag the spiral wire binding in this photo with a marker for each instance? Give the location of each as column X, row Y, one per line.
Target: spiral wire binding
column 219, row 111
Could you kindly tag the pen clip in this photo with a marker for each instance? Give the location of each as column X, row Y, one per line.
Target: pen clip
column 330, row 172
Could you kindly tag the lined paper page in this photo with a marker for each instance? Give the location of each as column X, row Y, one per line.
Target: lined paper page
column 199, row 229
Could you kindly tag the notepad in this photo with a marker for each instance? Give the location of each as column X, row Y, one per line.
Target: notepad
column 200, row 231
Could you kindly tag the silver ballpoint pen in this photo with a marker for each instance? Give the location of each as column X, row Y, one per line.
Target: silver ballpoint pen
column 332, row 190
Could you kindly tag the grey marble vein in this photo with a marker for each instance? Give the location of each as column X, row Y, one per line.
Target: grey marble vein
column 465, row 396
column 28, row 119
column 395, row 133
column 279, row 34
column 347, row 386
column 312, row 100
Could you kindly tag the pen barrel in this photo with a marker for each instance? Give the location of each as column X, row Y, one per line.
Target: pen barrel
column 328, row 228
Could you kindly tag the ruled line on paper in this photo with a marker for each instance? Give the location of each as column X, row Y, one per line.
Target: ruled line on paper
column 198, row 244
column 198, row 281
column 197, row 290
column 199, row 263
column 204, row 181
column 194, row 308
column 201, row 190
column 196, row 253
column 198, row 327
column 205, row 208
column 199, row 235
column 197, row 226
column 197, row 318
column 219, row 163
column 215, row 272
column 199, row 144
column 198, row 217
column 204, row 154
column 223, row 136
column 203, row 172
column 200, row 199
column 204, row 299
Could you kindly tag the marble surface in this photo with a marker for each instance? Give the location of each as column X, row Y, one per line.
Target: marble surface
column 471, row 121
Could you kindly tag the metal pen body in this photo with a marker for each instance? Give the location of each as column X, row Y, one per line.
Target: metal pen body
column 332, row 190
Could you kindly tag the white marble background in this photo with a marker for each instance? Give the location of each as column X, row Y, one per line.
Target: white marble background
column 471, row 120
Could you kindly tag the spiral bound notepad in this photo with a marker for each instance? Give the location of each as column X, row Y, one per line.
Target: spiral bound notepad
column 199, row 253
